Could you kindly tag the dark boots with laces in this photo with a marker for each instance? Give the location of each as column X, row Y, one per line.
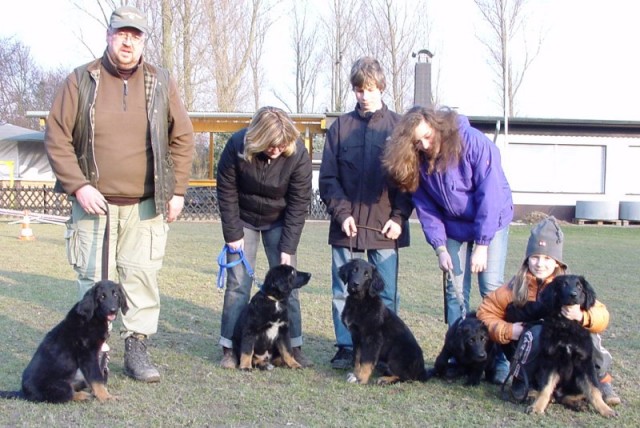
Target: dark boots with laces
column 136, row 360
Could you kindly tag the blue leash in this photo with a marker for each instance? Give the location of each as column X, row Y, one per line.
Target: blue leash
column 222, row 262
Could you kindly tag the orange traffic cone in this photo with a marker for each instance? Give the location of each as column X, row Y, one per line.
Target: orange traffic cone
column 26, row 234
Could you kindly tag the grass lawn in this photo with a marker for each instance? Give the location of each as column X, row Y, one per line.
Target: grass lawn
column 37, row 289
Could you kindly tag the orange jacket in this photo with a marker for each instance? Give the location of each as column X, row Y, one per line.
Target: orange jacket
column 492, row 311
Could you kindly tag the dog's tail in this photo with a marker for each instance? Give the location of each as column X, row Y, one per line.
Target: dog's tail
column 12, row 394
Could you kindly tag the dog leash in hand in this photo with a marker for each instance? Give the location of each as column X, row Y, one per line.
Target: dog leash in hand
column 105, row 247
column 359, row 226
column 222, row 263
column 457, row 289
column 103, row 355
column 375, row 229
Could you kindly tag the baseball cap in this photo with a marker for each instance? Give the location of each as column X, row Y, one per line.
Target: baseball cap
column 129, row 16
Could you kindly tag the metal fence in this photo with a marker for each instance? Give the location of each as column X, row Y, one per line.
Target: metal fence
column 200, row 203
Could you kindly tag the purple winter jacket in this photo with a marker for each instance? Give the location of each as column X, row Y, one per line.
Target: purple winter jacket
column 470, row 201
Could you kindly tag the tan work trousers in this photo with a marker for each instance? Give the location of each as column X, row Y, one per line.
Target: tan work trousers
column 137, row 241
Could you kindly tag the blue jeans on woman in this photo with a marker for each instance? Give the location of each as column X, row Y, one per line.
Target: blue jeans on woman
column 238, row 290
column 386, row 261
column 459, row 287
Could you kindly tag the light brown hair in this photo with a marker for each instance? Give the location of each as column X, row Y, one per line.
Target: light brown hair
column 270, row 127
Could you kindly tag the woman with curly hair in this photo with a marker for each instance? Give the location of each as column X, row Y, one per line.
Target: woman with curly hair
column 461, row 196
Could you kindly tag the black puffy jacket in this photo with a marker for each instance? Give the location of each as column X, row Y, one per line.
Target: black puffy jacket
column 264, row 192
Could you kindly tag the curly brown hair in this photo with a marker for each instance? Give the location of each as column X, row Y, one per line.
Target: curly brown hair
column 402, row 159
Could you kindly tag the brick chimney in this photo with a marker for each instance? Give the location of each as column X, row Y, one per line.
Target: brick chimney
column 422, row 87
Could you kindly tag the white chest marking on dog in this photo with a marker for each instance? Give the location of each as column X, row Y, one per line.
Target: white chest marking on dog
column 272, row 332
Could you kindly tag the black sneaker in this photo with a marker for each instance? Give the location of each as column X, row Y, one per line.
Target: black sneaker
column 343, row 359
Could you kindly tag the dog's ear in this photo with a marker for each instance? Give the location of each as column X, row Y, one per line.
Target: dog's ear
column 377, row 283
column 548, row 296
column 122, row 300
column 87, row 305
column 589, row 294
column 460, row 335
column 343, row 272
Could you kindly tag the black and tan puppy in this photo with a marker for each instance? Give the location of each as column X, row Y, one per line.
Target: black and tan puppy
column 261, row 334
column 467, row 340
column 378, row 334
column 71, row 346
column 566, row 370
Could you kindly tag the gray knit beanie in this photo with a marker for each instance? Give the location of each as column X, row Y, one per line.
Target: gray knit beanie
column 546, row 239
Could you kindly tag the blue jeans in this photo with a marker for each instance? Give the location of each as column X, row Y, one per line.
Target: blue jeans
column 386, row 261
column 238, row 290
column 489, row 280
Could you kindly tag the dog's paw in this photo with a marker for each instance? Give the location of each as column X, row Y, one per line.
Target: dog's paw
column 351, row 378
column 533, row 409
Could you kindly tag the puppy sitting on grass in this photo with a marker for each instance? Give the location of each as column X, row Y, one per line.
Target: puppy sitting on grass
column 261, row 334
column 467, row 340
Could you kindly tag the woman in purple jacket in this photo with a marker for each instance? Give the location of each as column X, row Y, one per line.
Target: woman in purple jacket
column 461, row 196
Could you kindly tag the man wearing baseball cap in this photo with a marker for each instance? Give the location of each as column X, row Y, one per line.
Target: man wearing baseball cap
column 120, row 142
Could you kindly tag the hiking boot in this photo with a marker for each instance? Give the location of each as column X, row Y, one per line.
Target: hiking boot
column 608, row 394
column 136, row 360
column 343, row 359
column 301, row 358
column 228, row 360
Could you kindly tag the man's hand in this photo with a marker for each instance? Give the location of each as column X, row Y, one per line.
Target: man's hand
column 91, row 200
column 174, row 208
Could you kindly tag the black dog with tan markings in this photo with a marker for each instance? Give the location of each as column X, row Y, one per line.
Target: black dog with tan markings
column 73, row 346
column 261, row 335
column 378, row 334
column 467, row 340
column 566, row 370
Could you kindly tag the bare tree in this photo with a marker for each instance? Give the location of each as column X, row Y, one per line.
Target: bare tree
column 394, row 31
column 18, row 76
column 506, row 19
column 307, row 59
column 342, row 32
column 264, row 22
column 232, row 35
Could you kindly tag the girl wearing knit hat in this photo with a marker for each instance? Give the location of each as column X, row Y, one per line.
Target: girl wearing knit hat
column 516, row 302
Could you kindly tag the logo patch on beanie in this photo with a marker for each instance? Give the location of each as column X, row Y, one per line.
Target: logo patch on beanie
column 542, row 243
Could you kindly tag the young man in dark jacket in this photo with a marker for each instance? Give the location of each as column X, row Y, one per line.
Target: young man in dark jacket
column 367, row 212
